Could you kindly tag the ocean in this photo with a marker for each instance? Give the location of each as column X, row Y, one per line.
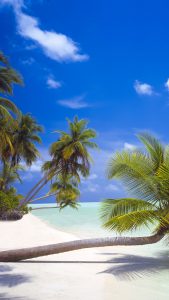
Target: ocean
column 84, row 222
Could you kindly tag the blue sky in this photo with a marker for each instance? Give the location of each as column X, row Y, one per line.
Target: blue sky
column 107, row 61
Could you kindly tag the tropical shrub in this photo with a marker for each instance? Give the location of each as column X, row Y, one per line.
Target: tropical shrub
column 9, row 202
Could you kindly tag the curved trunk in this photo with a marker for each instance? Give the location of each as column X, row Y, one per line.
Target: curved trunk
column 43, row 197
column 36, row 188
column 27, row 253
column 32, row 193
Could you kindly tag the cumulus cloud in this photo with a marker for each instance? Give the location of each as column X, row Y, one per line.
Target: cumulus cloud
column 167, row 84
column 92, row 176
column 112, row 188
column 92, row 187
column 28, row 61
column 16, row 4
column 74, row 103
column 55, row 45
column 143, row 88
column 128, row 146
column 52, row 83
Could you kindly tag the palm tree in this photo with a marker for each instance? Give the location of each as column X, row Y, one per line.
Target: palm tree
column 9, row 175
column 5, row 137
column 146, row 176
column 69, row 155
column 66, row 191
column 8, row 77
column 25, row 135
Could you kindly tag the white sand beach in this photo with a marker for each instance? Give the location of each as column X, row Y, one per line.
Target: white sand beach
column 140, row 272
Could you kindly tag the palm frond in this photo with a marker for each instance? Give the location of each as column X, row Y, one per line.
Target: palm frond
column 134, row 169
column 116, row 207
column 133, row 221
column 8, row 106
column 154, row 148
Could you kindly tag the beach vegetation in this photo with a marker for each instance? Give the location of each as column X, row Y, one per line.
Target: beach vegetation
column 145, row 175
column 9, row 200
column 19, row 135
column 70, row 160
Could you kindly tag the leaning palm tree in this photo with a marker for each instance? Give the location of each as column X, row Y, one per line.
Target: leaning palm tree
column 69, row 155
column 66, row 191
column 146, row 176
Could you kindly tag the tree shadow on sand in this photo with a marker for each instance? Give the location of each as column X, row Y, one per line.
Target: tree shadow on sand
column 9, row 279
column 4, row 296
column 129, row 267
column 124, row 266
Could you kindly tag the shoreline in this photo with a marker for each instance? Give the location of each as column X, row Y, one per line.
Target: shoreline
column 98, row 273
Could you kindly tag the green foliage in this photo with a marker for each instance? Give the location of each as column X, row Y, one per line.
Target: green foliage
column 67, row 192
column 146, row 177
column 24, row 140
column 9, row 202
column 8, row 76
column 8, row 110
column 19, row 135
column 70, row 153
column 9, row 175
column 70, row 161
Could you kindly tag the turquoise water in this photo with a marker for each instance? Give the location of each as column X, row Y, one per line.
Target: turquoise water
column 84, row 222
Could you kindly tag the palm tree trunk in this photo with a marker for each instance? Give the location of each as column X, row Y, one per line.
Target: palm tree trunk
column 41, row 198
column 27, row 253
column 33, row 189
column 37, row 187
column 33, row 192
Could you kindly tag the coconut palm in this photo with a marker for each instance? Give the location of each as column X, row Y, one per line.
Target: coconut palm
column 9, row 175
column 66, row 191
column 8, row 76
column 146, row 177
column 8, row 109
column 5, row 137
column 25, row 136
column 69, row 155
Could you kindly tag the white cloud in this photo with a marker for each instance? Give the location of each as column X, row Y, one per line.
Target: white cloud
column 92, row 176
column 167, row 84
column 17, row 4
column 55, row 45
column 28, row 61
column 143, row 88
column 36, row 166
column 92, row 187
column 74, row 103
column 27, row 177
column 128, row 146
column 112, row 188
column 53, row 84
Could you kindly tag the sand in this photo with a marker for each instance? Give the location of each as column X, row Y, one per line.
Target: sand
column 140, row 272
